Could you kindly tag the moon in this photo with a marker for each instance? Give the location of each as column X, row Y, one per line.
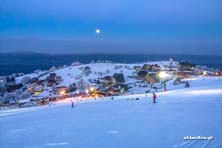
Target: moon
column 97, row 31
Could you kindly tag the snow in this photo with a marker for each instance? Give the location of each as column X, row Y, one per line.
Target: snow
column 120, row 123
column 71, row 72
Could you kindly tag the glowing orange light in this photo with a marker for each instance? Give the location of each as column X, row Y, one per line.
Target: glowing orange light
column 91, row 89
column 62, row 92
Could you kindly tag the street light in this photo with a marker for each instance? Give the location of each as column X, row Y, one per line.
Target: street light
column 91, row 89
column 163, row 76
column 62, row 92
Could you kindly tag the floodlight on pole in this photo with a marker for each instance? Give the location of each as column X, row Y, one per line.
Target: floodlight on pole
column 91, row 89
column 163, row 75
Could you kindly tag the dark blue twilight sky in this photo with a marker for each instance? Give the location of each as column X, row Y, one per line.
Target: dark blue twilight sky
column 127, row 26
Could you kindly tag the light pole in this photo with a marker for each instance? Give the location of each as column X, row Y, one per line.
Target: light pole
column 163, row 76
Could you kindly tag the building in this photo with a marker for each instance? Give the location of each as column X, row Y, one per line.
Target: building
column 183, row 74
column 137, row 68
column 61, row 90
column 118, row 78
column 186, row 66
column 219, row 73
column 149, row 77
column 151, row 67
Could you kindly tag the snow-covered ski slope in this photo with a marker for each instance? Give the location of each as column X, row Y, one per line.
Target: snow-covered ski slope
column 121, row 123
column 69, row 73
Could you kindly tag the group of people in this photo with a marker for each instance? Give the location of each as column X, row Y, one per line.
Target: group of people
column 154, row 100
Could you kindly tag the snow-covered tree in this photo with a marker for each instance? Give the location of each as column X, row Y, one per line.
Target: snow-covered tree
column 92, row 62
column 81, row 85
column 9, row 96
column 107, row 71
column 75, row 63
column 37, row 71
column 3, row 90
column 53, row 68
column 100, row 74
column 26, row 80
column 18, row 92
column 25, row 95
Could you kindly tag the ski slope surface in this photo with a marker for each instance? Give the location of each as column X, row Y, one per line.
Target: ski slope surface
column 121, row 123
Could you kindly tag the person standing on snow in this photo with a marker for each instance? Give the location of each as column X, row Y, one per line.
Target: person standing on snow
column 154, row 97
column 72, row 105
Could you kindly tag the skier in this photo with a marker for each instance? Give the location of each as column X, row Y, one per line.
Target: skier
column 72, row 105
column 154, row 97
column 187, row 85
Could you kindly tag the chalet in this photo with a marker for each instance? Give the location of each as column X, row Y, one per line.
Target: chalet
column 35, row 88
column 99, row 93
column 25, row 103
column 117, row 89
column 61, row 90
column 147, row 67
column 142, row 74
column 219, row 73
column 150, row 77
column 34, row 80
column 58, row 78
column 52, row 75
column 186, row 66
column 156, row 67
column 118, row 78
column 108, row 78
column 51, row 82
column 137, row 68
column 183, row 74
column 151, row 67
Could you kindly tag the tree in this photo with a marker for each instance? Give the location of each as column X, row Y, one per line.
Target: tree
column 9, row 96
column 25, row 95
column 3, row 90
column 1, row 99
column 18, row 92
column 26, row 80
column 72, row 87
column 81, row 85
column 107, row 71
